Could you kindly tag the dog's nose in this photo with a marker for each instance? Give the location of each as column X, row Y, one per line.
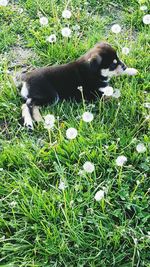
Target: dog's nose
column 123, row 66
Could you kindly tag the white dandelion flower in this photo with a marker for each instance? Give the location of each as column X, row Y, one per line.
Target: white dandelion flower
column 140, row 148
column 44, row 21
column 66, row 32
column 108, row 91
column 66, row 14
column 4, row 2
column 146, row 105
column 125, row 50
column 87, row 116
column 49, row 121
column 51, row 39
column 88, row 167
column 143, row 8
column 121, row 160
column 146, row 19
column 116, row 93
column 62, row 185
column 99, row 195
column 116, row 28
column 130, row 71
column 71, row 133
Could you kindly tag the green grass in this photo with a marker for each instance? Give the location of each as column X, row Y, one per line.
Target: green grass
column 40, row 225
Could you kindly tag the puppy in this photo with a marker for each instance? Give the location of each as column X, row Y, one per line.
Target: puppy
column 46, row 85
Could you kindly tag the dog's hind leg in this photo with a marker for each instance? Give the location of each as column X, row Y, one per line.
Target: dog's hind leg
column 27, row 110
column 36, row 114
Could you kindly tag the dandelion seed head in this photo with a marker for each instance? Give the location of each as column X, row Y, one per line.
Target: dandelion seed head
column 4, row 2
column 116, row 28
column 88, row 167
column 143, row 8
column 140, row 148
column 49, row 121
column 51, row 38
column 66, row 32
column 44, row 21
column 146, row 19
column 87, row 116
column 66, row 14
column 99, row 195
column 146, row 105
column 108, row 91
column 71, row 133
column 125, row 50
column 121, row 160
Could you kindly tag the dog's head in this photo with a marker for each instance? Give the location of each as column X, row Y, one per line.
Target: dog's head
column 103, row 58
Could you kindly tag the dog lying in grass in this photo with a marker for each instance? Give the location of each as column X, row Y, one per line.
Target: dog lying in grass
column 91, row 71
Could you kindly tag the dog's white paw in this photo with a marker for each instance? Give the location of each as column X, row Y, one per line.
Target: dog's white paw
column 131, row 71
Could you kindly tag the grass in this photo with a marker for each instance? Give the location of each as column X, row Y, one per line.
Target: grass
column 40, row 224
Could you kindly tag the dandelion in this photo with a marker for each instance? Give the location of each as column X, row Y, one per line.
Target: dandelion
column 87, row 116
column 130, row 71
column 1, row 169
column 140, row 148
column 125, row 50
column 108, row 91
column 49, row 121
column 116, row 93
column 51, row 39
column 99, row 195
column 71, row 133
column 146, row 19
column 116, row 28
column 66, row 14
column 44, row 21
column 88, row 167
column 143, row 8
column 146, row 105
column 66, row 32
column 3, row 2
column 62, row 185
column 121, row 160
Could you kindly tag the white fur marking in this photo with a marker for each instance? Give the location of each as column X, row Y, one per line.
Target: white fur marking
column 27, row 116
column 24, row 90
column 36, row 114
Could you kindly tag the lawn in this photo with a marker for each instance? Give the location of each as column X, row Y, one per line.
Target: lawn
column 50, row 211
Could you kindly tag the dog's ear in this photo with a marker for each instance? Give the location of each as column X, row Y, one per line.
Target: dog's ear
column 95, row 62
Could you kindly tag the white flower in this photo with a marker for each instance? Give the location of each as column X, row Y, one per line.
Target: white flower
column 1, row 169
column 81, row 173
column 3, row 2
column 66, row 14
column 116, row 93
column 87, row 116
column 130, row 71
column 108, row 91
column 62, row 185
column 140, row 148
column 125, row 50
column 71, row 133
column 49, row 121
column 43, row 21
column 88, row 167
column 66, row 32
column 121, row 160
column 143, row 8
column 146, row 105
column 51, row 38
column 146, row 19
column 99, row 195
column 116, row 28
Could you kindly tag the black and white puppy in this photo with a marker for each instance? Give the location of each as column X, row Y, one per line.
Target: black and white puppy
column 49, row 84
